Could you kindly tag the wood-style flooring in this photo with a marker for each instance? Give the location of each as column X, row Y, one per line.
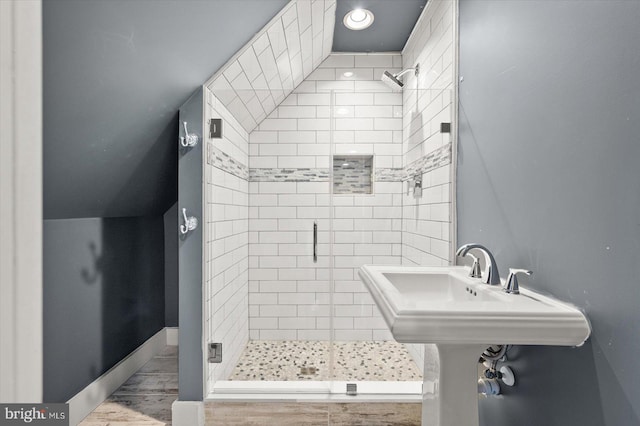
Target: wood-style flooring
column 146, row 398
column 311, row 414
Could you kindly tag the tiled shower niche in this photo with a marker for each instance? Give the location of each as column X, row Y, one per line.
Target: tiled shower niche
column 352, row 174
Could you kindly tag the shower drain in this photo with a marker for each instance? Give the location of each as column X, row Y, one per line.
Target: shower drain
column 306, row 371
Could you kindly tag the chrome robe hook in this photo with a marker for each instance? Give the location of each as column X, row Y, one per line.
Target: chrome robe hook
column 190, row 223
column 189, row 140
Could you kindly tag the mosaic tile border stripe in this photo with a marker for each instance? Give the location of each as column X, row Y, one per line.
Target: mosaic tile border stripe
column 389, row 175
column 433, row 160
column 289, row 175
column 222, row 161
column 315, row 175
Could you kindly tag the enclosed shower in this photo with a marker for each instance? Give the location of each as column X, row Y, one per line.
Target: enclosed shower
column 314, row 165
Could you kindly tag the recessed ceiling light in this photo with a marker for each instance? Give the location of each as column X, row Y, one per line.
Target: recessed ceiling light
column 358, row 19
column 348, row 74
column 342, row 111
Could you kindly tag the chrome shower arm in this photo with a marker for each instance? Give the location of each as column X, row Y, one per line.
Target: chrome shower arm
column 401, row 73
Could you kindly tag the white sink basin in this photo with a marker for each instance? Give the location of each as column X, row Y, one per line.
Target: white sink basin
column 445, row 305
column 463, row 316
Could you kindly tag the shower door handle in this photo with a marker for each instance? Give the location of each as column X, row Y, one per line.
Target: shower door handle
column 315, row 241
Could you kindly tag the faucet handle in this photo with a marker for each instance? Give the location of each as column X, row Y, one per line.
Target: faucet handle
column 512, row 286
column 475, row 271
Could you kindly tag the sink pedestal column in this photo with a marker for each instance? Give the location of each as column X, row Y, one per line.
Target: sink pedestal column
column 450, row 387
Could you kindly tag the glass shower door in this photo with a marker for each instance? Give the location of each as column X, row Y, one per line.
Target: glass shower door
column 366, row 194
column 289, row 348
column 390, row 196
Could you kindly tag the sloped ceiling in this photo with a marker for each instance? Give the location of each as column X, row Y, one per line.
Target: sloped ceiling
column 115, row 74
column 393, row 23
column 267, row 69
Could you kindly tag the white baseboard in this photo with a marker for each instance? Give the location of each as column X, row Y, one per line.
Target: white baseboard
column 85, row 401
column 187, row 413
column 172, row 336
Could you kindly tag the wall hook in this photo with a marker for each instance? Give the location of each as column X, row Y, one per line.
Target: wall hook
column 190, row 223
column 189, row 140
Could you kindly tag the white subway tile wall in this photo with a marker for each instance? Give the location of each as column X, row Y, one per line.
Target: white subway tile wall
column 265, row 189
column 275, row 61
column 226, row 238
column 426, row 220
column 289, row 294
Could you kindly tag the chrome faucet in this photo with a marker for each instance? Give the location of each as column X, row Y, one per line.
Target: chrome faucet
column 491, row 275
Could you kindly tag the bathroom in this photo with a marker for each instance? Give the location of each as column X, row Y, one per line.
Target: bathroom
column 515, row 127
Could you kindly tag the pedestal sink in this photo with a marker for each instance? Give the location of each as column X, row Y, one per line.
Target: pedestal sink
column 462, row 316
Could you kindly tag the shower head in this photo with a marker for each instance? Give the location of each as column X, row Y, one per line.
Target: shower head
column 393, row 80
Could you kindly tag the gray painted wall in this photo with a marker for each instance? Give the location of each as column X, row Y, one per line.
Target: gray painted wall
column 104, row 296
column 115, row 74
column 190, row 257
column 170, row 220
column 548, row 178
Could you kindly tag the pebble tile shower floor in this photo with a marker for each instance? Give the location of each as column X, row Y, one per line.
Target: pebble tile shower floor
column 284, row 360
